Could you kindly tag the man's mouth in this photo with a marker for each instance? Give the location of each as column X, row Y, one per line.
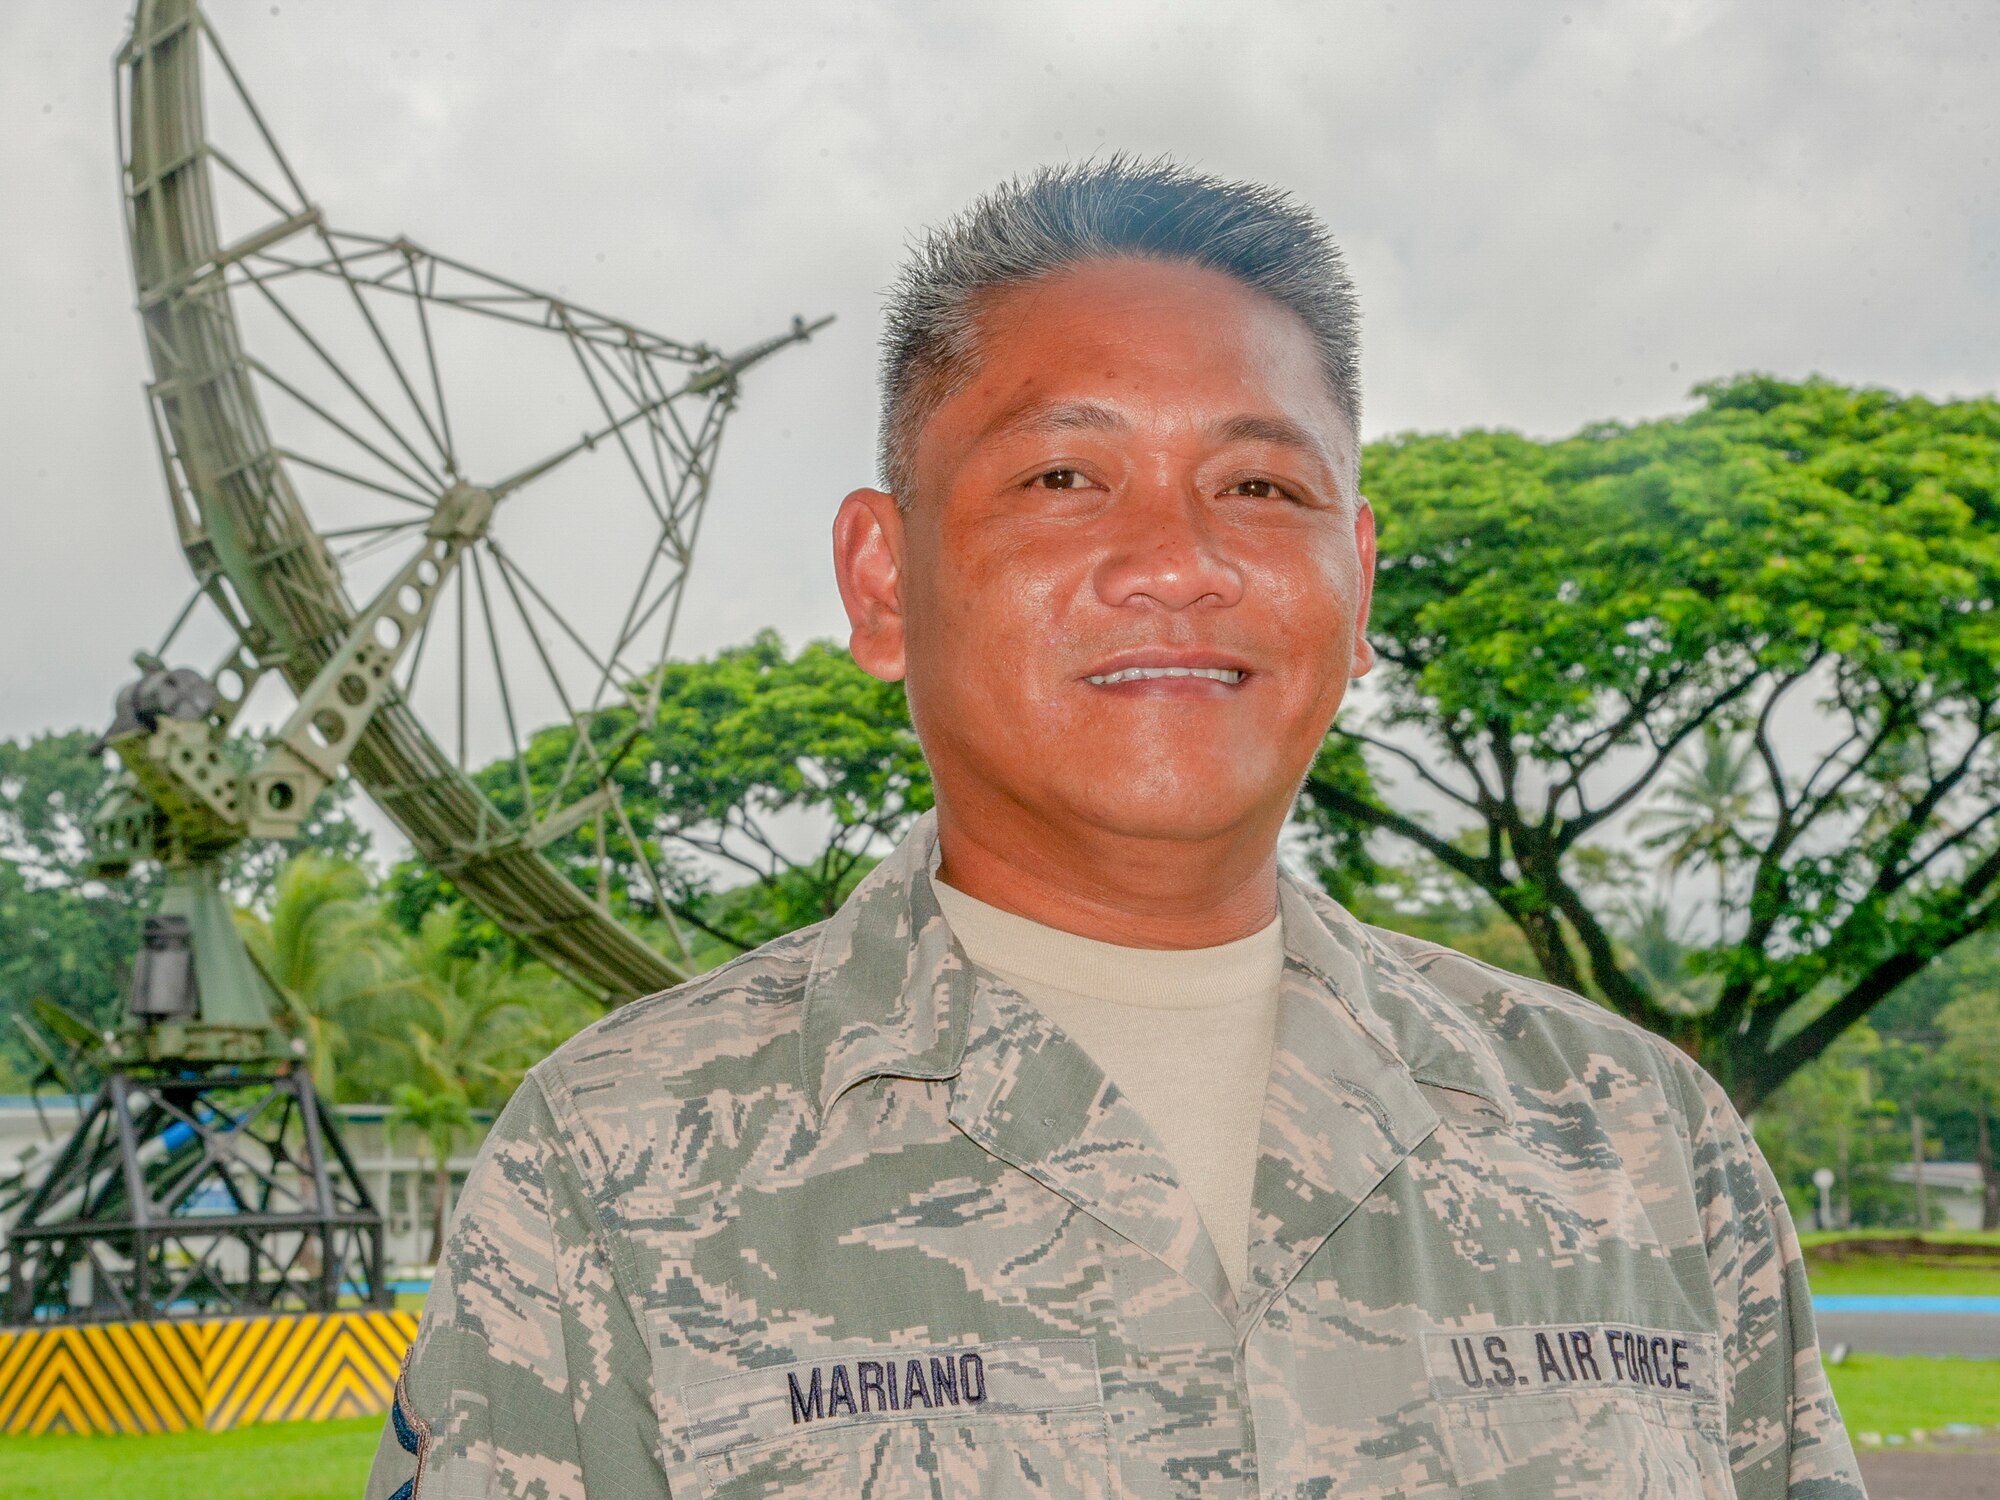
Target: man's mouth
column 1151, row 674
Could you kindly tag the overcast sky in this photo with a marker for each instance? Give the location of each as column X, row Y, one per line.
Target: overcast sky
column 1554, row 214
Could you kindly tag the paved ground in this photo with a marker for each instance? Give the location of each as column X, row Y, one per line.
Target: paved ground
column 1967, row 1470
column 1976, row 1335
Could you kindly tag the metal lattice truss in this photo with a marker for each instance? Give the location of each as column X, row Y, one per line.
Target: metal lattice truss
column 213, row 1196
column 387, row 469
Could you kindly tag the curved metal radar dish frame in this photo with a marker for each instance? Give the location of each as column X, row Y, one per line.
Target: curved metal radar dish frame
column 258, row 556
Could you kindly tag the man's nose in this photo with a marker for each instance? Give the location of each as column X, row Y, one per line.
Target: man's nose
column 1167, row 551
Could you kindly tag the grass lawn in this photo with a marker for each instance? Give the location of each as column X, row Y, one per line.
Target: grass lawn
column 1881, row 1393
column 1813, row 1238
column 277, row 1461
column 1917, row 1271
column 1886, row 1276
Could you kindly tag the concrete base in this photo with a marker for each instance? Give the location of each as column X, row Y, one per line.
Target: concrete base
column 1973, row 1335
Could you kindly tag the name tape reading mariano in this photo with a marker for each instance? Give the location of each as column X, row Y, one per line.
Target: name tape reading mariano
column 891, row 1385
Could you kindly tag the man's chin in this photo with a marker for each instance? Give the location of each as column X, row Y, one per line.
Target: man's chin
column 1184, row 813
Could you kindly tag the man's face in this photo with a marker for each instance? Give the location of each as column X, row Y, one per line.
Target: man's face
column 1130, row 589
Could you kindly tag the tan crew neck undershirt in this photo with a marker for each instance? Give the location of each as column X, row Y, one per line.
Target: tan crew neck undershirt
column 1185, row 1033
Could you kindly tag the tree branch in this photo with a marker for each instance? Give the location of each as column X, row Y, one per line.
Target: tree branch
column 1583, row 822
column 1594, row 747
column 1772, row 1068
column 1762, row 735
column 694, row 919
column 721, row 850
column 1455, row 746
column 1500, row 737
column 1904, row 838
column 1767, row 878
column 1953, row 840
column 1443, row 850
column 1543, row 866
column 1891, row 722
column 1415, row 764
column 749, row 828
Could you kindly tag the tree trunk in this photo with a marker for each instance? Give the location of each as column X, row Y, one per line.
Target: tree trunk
column 1989, row 1179
column 1917, row 1171
column 1846, row 1210
column 1543, row 930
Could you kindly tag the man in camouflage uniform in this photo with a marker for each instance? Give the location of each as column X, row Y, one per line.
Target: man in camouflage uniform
column 853, row 1216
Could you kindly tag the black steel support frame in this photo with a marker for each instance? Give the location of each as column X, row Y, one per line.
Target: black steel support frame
column 123, row 1199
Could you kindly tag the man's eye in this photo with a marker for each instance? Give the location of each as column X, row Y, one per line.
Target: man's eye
column 1258, row 489
column 1060, row 479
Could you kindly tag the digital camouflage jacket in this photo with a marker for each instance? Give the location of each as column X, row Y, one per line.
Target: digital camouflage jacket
column 849, row 1217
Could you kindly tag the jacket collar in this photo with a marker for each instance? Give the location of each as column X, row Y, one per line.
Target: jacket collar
column 1419, row 1028
column 890, row 991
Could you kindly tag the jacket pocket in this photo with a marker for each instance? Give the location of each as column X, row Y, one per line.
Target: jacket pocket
column 1004, row 1420
column 1597, row 1442
column 1581, row 1408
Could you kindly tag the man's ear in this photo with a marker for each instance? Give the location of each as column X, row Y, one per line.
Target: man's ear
column 868, row 556
column 1364, row 548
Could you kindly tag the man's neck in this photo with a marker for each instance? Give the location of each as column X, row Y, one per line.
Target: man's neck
column 1135, row 892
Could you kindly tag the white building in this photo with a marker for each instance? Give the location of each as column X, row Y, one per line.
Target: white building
column 395, row 1163
column 1954, row 1186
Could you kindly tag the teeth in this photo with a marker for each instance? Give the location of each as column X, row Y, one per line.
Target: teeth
column 1148, row 674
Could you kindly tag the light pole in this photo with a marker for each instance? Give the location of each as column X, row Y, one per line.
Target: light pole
column 1823, row 1180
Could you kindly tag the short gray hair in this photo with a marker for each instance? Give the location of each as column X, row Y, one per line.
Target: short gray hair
column 1064, row 216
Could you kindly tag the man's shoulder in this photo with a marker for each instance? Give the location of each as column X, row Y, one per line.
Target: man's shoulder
column 719, row 1031
column 1537, row 1028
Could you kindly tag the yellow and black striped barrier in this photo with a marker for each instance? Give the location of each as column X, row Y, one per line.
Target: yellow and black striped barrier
column 170, row 1375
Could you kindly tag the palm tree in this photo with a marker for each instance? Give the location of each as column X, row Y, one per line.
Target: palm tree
column 1659, row 946
column 443, row 1115
column 475, row 1022
column 328, row 951
column 470, row 1026
column 1713, row 803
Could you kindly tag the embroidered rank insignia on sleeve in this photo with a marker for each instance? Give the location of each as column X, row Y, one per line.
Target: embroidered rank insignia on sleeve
column 413, row 1433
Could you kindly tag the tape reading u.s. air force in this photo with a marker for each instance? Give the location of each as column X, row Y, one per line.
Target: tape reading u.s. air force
column 882, row 1385
column 1541, row 1357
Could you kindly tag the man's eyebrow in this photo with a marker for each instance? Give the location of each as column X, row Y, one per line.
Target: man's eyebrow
column 1283, row 432
column 1041, row 415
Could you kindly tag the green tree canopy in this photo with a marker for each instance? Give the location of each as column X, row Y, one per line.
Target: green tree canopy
column 1833, row 1114
column 1969, row 1061
column 477, row 1023
column 756, row 793
column 1810, row 569
column 62, row 938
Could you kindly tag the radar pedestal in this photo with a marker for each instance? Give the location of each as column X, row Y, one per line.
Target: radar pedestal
column 207, row 1177
column 197, row 995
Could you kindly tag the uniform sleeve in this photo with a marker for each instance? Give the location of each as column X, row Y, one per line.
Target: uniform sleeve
column 528, row 1376
column 1786, row 1439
